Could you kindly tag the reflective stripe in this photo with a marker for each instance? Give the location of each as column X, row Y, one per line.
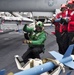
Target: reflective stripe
column 66, row 13
column 72, row 13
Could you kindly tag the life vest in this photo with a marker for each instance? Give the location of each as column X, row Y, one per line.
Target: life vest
column 71, row 23
column 72, row 16
column 59, row 26
column 63, row 28
column 71, row 26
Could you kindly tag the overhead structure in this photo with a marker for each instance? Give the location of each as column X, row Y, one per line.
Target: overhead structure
column 30, row 5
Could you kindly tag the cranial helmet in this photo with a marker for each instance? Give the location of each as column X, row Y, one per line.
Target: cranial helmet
column 63, row 6
column 70, row 2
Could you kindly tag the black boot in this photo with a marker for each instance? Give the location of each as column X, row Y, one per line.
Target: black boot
column 70, row 68
column 19, row 59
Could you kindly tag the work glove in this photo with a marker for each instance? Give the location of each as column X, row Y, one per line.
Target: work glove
column 63, row 21
column 67, row 19
column 53, row 20
column 27, row 41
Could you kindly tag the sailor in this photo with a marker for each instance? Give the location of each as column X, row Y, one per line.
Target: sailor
column 36, row 40
column 61, row 29
column 70, row 7
column 71, row 23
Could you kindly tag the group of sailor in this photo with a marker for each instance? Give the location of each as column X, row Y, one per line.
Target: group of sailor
column 64, row 26
column 64, row 31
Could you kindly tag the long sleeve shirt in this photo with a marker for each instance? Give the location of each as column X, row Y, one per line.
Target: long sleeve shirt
column 37, row 38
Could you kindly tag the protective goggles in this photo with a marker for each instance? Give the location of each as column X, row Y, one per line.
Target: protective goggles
column 70, row 5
